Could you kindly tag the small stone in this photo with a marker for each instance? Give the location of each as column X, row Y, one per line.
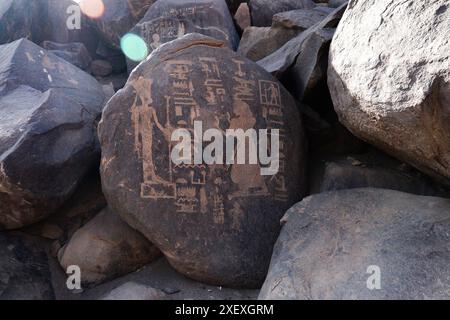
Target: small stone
column 101, row 68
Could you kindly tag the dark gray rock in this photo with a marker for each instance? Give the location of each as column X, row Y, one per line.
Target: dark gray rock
column 259, row 42
column 47, row 131
column 24, row 269
column 300, row 19
column 281, row 60
column 373, row 170
column 329, row 243
column 262, row 11
column 171, row 19
column 20, row 19
column 75, row 53
column 118, row 18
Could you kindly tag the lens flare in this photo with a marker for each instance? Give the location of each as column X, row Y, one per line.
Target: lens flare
column 134, row 47
column 92, row 8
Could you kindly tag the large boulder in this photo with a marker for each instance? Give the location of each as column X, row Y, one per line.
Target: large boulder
column 106, row 248
column 389, row 77
column 47, row 131
column 171, row 19
column 214, row 222
column 338, row 245
column 20, row 19
column 24, row 269
column 262, row 11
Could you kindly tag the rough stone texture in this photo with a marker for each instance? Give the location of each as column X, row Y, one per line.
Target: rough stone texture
column 242, row 17
column 75, row 53
column 259, row 42
column 54, row 19
column 300, row 19
column 311, row 64
column 106, row 248
column 216, row 223
column 281, row 60
column 134, row 291
column 87, row 201
column 171, row 19
column 390, row 83
column 262, row 11
column 233, row 5
column 24, row 269
column 374, row 170
column 101, row 68
column 118, row 18
column 47, row 131
column 20, row 19
column 329, row 240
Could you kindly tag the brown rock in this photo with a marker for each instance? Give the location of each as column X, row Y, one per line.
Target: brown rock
column 215, row 223
column 242, row 17
column 101, row 68
column 105, row 248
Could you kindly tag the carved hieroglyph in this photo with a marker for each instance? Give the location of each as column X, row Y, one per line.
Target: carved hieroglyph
column 183, row 184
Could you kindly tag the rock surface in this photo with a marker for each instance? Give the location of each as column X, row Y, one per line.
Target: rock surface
column 134, row 291
column 20, row 19
column 259, row 42
column 24, row 269
column 262, row 11
column 329, row 241
column 373, row 170
column 106, row 248
column 171, row 19
column 118, row 17
column 47, row 131
column 391, row 84
column 75, row 53
column 279, row 62
column 215, row 223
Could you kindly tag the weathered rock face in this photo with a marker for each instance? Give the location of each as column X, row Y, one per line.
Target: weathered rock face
column 279, row 62
column 215, row 223
column 330, row 241
column 374, row 170
column 75, row 53
column 118, row 18
column 24, row 269
column 47, row 131
column 262, row 11
column 20, row 19
column 233, row 5
column 391, row 85
column 105, row 248
column 59, row 24
column 171, row 19
column 259, row 42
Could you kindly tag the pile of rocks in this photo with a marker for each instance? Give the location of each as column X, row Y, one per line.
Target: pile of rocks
column 355, row 98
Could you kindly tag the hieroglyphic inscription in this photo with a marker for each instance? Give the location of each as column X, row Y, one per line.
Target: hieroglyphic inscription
column 270, row 98
column 186, row 184
column 247, row 177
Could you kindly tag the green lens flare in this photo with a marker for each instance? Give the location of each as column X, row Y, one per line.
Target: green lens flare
column 134, row 47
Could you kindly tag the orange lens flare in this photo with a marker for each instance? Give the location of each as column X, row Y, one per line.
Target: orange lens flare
column 92, row 8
